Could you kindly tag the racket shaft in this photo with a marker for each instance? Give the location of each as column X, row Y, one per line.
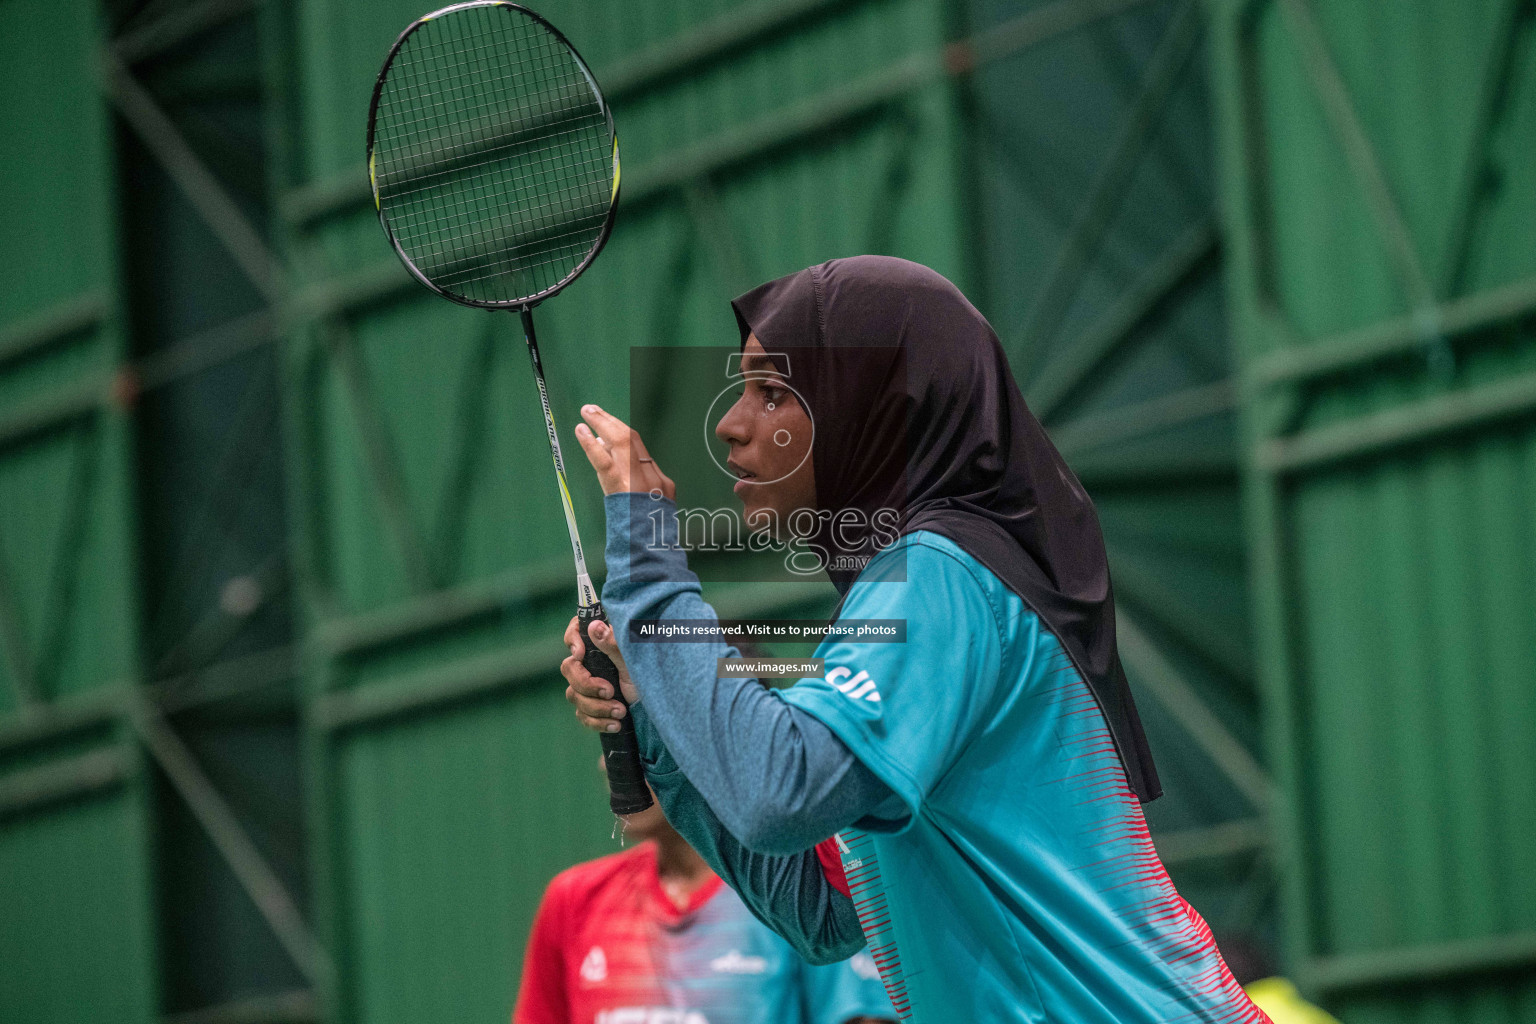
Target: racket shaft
column 627, row 791
column 585, row 594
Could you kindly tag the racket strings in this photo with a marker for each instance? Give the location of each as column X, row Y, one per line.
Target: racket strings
column 493, row 250
column 493, row 155
column 465, row 199
column 493, row 97
column 577, row 99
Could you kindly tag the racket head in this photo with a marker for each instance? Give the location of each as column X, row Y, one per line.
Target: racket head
column 492, row 156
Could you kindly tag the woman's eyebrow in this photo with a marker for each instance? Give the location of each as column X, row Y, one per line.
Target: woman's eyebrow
column 755, row 362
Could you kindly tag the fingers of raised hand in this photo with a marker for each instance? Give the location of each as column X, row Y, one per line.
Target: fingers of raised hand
column 608, row 426
column 644, row 470
column 603, row 639
column 591, row 697
column 597, row 451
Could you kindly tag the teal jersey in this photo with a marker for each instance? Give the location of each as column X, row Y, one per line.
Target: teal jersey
column 1016, row 880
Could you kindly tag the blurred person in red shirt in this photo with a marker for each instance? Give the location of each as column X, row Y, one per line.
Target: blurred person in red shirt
column 650, row 935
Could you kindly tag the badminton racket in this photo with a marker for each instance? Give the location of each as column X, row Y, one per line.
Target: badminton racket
column 494, row 167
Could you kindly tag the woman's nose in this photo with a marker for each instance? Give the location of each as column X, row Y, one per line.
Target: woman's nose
column 734, row 427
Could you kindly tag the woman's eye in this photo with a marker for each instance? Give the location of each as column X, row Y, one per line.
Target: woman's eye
column 773, row 395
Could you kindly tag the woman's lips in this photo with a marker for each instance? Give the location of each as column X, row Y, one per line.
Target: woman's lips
column 744, row 477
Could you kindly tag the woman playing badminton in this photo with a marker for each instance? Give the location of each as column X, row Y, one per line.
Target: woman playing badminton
column 966, row 802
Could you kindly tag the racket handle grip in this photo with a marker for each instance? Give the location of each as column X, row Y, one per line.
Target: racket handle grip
column 627, row 791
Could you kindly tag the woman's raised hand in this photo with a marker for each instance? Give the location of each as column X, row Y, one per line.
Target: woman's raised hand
column 619, row 456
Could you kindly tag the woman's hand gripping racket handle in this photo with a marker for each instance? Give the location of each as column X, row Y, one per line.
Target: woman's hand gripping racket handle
column 627, row 791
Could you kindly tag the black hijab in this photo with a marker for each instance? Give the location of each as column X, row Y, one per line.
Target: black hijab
column 915, row 409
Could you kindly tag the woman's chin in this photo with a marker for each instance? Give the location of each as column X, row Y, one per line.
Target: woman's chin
column 759, row 517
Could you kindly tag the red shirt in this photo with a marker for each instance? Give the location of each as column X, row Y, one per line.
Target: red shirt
column 592, row 945
column 609, row 947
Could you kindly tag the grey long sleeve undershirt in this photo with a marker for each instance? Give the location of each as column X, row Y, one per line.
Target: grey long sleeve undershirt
column 750, row 781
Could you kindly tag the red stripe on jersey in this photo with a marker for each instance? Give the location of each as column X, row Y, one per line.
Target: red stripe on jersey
column 832, row 866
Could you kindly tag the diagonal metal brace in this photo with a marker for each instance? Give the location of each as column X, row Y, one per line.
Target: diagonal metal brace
column 250, row 868
column 1154, row 672
column 1163, row 74
column 203, row 190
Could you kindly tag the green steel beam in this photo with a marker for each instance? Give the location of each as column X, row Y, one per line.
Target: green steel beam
column 1143, row 419
column 1419, row 421
column 295, row 1007
column 206, row 350
column 64, row 574
column 1245, row 910
column 450, row 524
column 1121, row 63
column 1394, row 338
column 1415, row 965
column 354, row 634
column 1174, row 470
column 720, row 37
column 383, row 462
column 56, row 409
column 1031, row 29
column 438, row 686
column 355, row 289
column 67, row 779
column 1515, row 20
column 225, row 680
column 1339, row 110
column 1254, row 315
column 1036, row 173
column 201, row 187
column 1158, row 675
column 30, row 667
column 1072, row 365
column 1039, row 172
column 814, row 117
column 177, row 26
column 308, row 203
column 1109, row 187
column 266, row 890
column 14, row 644
column 59, row 323
column 1225, row 841
column 1166, row 604
column 206, row 535
column 68, row 716
column 207, row 637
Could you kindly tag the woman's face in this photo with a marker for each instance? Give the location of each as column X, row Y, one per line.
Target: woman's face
column 769, row 435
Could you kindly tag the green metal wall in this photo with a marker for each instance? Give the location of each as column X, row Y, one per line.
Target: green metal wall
column 76, row 911
column 1381, row 203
